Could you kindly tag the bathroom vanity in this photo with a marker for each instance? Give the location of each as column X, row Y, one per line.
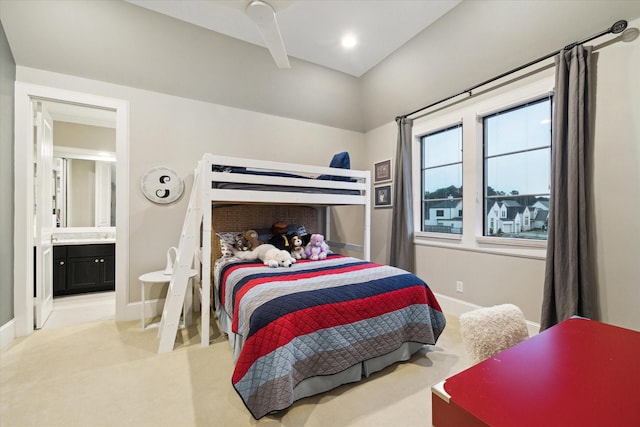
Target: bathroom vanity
column 83, row 263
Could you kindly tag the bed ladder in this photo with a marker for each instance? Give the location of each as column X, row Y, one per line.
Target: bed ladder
column 189, row 242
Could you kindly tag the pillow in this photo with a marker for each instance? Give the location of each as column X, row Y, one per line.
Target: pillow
column 264, row 234
column 228, row 241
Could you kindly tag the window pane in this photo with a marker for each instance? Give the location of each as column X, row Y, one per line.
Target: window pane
column 442, row 148
column 517, row 146
column 521, row 173
column 442, row 182
column 522, row 128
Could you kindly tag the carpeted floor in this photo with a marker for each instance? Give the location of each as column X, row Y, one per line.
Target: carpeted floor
column 108, row 374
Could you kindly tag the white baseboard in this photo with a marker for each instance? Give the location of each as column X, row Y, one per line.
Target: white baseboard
column 457, row 307
column 7, row 334
column 134, row 311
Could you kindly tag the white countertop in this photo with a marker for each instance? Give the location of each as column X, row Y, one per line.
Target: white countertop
column 66, row 242
column 83, row 236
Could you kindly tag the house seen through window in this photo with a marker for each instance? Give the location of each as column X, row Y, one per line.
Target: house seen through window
column 441, row 173
column 517, row 171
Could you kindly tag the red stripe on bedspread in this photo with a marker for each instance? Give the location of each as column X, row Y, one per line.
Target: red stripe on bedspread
column 292, row 325
column 228, row 272
column 288, row 278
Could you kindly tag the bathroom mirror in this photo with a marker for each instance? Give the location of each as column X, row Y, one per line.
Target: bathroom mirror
column 84, row 166
column 84, row 190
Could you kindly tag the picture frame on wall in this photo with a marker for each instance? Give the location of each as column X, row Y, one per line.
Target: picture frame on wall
column 382, row 196
column 382, row 171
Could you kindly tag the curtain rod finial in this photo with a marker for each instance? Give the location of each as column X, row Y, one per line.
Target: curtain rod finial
column 618, row 27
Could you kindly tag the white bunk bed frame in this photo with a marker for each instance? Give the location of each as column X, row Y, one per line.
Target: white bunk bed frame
column 200, row 213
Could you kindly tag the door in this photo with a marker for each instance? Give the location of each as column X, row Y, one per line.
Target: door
column 43, row 183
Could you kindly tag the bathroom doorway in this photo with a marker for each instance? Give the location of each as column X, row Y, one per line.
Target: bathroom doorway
column 84, row 195
column 27, row 98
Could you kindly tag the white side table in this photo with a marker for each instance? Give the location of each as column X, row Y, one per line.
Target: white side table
column 159, row 277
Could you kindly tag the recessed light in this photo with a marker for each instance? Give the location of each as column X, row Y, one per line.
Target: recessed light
column 348, row 41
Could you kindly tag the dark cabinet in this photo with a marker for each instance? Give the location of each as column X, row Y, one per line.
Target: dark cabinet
column 59, row 270
column 84, row 268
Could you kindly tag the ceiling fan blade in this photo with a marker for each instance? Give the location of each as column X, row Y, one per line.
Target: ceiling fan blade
column 265, row 18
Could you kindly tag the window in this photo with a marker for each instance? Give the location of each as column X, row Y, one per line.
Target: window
column 441, row 174
column 517, row 170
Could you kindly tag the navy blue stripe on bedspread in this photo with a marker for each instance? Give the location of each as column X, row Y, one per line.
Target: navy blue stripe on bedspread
column 283, row 305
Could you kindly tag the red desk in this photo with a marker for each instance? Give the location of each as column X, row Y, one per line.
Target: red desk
column 578, row 373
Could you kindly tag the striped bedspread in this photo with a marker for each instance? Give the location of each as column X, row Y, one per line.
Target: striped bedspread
column 318, row 318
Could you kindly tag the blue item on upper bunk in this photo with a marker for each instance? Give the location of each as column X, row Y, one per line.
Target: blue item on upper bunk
column 340, row 161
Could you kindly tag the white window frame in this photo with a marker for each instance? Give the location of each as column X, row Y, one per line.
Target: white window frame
column 470, row 113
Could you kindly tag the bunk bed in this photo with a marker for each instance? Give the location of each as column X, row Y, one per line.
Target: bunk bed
column 282, row 358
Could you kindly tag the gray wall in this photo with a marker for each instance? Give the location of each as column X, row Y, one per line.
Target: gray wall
column 475, row 41
column 121, row 43
column 7, row 79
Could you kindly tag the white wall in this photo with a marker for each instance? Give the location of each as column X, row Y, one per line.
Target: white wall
column 174, row 132
column 492, row 279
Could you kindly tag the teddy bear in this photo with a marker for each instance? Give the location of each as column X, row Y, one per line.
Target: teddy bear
column 316, row 248
column 297, row 247
column 251, row 236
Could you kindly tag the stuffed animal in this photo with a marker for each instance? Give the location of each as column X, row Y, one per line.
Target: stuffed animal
column 280, row 258
column 269, row 255
column 241, row 243
column 302, row 233
column 316, row 248
column 251, row 236
column 297, row 248
column 280, row 239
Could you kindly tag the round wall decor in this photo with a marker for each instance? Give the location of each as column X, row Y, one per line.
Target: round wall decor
column 162, row 185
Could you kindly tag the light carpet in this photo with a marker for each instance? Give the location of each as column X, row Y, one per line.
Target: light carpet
column 108, row 374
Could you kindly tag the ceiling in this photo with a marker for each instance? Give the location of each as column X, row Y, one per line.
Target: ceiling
column 312, row 29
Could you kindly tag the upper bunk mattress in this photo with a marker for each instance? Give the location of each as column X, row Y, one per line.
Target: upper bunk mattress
column 226, row 185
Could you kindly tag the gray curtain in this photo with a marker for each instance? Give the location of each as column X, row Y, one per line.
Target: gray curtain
column 568, row 286
column 402, row 248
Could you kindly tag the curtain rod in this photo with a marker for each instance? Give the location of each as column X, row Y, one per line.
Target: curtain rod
column 616, row 28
